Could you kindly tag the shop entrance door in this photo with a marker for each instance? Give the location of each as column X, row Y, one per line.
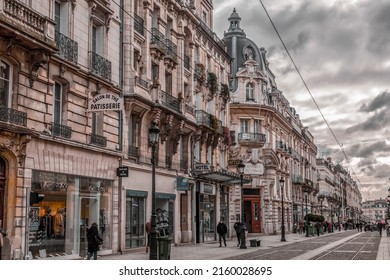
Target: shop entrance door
column 89, row 214
column 256, row 220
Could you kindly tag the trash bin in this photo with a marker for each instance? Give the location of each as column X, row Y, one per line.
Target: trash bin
column 164, row 248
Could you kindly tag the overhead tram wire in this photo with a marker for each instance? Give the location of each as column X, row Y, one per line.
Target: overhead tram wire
column 308, row 90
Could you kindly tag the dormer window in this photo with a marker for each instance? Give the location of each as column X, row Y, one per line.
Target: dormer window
column 249, row 92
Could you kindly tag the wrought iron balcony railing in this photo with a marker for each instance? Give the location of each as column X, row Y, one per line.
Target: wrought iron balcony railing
column 170, row 101
column 139, row 24
column 98, row 140
column 101, row 66
column 202, row 118
column 67, row 48
column 60, row 130
column 252, row 137
column 157, row 40
column 12, row 116
column 171, row 50
column 133, row 151
column 141, row 82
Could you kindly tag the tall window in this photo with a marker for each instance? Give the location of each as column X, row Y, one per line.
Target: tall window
column 5, row 83
column 257, row 126
column 155, row 72
column 57, row 104
column 61, row 16
column 97, row 39
column 168, row 82
column 97, row 123
column 244, row 126
column 249, row 92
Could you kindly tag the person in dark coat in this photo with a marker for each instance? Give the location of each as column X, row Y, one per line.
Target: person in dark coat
column 237, row 228
column 222, row 231
column 93, row 241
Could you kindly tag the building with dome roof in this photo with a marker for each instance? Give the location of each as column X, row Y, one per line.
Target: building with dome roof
column 270, row 138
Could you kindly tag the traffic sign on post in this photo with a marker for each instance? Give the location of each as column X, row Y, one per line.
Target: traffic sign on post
column 122, row 171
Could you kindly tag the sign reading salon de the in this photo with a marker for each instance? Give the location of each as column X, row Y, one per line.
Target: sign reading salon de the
column 105, row 102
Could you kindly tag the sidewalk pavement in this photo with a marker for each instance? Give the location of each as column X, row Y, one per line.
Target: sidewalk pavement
column 212, row 251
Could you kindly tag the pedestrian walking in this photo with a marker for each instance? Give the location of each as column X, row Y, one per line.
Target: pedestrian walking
column 94, row 241
column 237, row 228
column 222, row 231
column 380, row 227
column 318, row 226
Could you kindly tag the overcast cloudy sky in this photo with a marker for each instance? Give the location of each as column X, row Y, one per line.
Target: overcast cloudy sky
column 342, row 49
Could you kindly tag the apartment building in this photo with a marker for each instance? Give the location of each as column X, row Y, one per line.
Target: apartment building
column 269, row 137
column 82, row 82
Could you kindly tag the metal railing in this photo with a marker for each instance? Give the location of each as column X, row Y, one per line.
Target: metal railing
column 13, row 116
column 101, row 66
column 60, row 130
column 67, row 48
column 170, row 101
column 133, row 151
column 171, row 49
column 98, row 140
column 157, row 40
column 139, row 24
column 141, row 82
column 252, row 137
column 202, row 118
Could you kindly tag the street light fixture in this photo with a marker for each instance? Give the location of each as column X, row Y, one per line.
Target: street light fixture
column 306, row 217
column 281, row 182
column 241, row 167
column 321, row 198
column 153, row 138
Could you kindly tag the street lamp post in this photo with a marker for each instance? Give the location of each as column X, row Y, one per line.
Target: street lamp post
column 321, row 199
column 306, row 217
column 241, row 167
column 281, row 182
column 153, row 137
column 338, row 216
column 331, row 216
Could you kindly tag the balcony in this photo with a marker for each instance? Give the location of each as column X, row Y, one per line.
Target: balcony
column 67, row 48
column 170, row 53
column 133, row 151
column 29, row 28
column 101, row 66
column 141, row 82
column 60, row 130
column 251, row 138
column 170, row 101
column 202, row 118
column 98, row 140
column 157, row 45
column 12, row 116
column 139, row 24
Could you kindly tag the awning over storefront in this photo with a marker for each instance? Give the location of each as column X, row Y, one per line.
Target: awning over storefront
column 221, row 176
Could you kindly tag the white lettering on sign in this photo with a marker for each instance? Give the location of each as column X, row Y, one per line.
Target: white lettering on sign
column 105, row 102
column 254, row 169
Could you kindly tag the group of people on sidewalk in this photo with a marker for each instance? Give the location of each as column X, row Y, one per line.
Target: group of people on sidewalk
column 222, row 232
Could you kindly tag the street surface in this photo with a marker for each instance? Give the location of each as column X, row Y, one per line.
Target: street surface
column 339, row 245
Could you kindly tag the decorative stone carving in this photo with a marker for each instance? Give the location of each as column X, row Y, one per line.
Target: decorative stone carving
column 37, row 60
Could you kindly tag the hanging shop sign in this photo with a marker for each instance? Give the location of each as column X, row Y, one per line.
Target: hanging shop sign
column 105, row 102
column 182, row 184
column 122, row 171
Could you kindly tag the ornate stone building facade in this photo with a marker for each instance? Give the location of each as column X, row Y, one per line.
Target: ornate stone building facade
column 339, row 198
column 269, row 137
column 81, row 83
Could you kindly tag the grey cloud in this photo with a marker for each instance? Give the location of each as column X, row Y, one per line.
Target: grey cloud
column 380, row 101
column 363, row 150
column 374, row 123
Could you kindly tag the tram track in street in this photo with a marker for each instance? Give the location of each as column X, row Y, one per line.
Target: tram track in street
column 362, row 247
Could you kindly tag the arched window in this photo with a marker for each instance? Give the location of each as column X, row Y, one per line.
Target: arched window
column 249, row 92
column 5, row 83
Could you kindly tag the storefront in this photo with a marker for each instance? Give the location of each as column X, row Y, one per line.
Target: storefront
column 62, row 208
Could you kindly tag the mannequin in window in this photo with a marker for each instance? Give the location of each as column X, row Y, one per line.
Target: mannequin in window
column 58, row 224
column 103, row 220
column 47, row 223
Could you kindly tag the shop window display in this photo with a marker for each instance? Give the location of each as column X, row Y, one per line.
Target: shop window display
column 58, row 223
